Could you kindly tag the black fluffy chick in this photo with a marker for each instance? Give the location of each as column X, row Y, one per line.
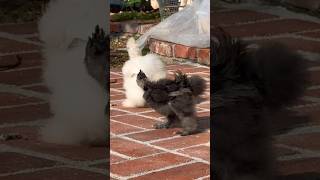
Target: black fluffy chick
column 174, row 99
column 249, row 86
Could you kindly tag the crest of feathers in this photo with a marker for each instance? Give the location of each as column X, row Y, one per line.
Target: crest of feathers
column 276, row 72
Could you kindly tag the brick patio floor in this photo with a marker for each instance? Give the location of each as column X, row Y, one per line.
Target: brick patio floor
column 139, row 151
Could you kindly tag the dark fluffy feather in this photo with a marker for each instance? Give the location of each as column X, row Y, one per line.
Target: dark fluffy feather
column 96, row 56
column 96, row 59
column 249, row 84
column 174, row 99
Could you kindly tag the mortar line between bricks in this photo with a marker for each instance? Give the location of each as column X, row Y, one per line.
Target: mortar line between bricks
column 126, row 113
column 19, row 52
column 139, row 114
column 29, row 123
column 24, row 68
column 254, row 22
column 163, row 149
column 193, row 146
column 156, row 140
column 311, row 105
column 31, row 170
column 292, row 35
column 301, row 130
column 116, row 83
column 163, row 139
column 312, row 99
column 16, row 23
column 116, row 73
column 7, row 148
column 297, row 157
column 298, row 149
column 95, row 162
column 135, row 132
column 310, row 56
column 130, row 133
column 115, row 101
column 19, row 39
column 312, row 30
column 189, row 73
column 203, row 110
column 143, row 112
column 141, row 157
column 22, row 105
column 275, row 36
column 120, row 155
column 149, row 111
column 205, row 102
column 160, row 169
column 148, row 117
column 272, row 10
column 33, row 35
column 5, row 88
column 129, row 158
column 31, row 85
column 201, row 73
column 298, row 36
column 203, row 177
column 314, row 87
column 117, row 90
column 66, row 162
column 314, row 68
column 304, row 152
column 118, row 109
column 90, row 169
column 115, row 94
column 119, row 115
column 192, row 64
column 128, row 125
column 114, row 176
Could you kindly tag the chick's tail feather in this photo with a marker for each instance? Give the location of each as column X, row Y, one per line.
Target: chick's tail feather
column 132, row 48
column 197, row 84
column 280, row 74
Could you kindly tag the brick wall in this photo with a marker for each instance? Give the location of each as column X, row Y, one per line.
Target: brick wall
column 177, row 51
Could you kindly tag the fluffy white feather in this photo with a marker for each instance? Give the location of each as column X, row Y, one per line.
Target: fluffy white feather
column 150, row 64
column 77, row 101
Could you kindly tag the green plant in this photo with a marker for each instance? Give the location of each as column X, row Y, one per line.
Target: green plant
column 124, row 16
column 21, row 11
